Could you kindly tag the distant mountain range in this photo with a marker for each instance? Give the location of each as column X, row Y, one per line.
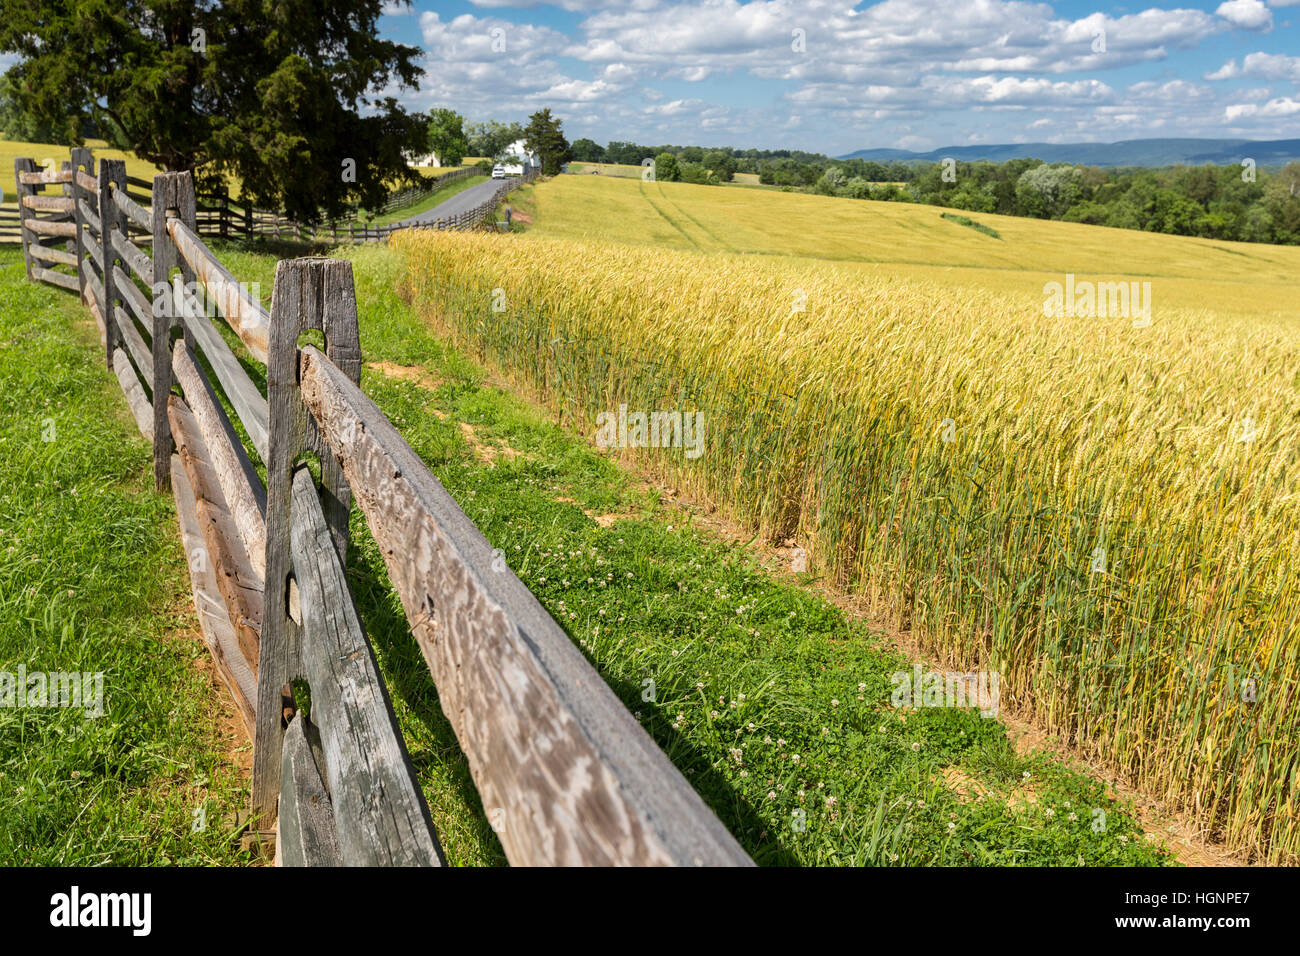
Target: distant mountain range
column 1133, row 152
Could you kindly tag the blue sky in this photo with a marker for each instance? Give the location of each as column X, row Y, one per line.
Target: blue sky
column 916, row 74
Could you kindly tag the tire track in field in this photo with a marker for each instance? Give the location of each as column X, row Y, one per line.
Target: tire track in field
column 668, row 219
column 726, row 246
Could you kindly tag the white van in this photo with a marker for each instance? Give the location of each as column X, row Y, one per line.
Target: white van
column 498, row 171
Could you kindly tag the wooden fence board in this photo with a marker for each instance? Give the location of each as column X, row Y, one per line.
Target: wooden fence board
column 381, row 816
column 141, row 354
column 141, row 410
column 249, row 403
column 208, row 605
column 574, row 776
column 306, row 829
column 246, row 316
column 239, row 586
column 243, row 490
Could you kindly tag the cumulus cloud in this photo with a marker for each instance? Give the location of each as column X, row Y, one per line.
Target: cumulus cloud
column 1282, row 106
column 1246, row 14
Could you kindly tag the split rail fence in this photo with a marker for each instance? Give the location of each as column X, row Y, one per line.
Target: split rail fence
column 220, row 216
column 566, row 773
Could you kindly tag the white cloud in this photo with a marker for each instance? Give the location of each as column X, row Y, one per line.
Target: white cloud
column 1246, row 14
column 1282, row 106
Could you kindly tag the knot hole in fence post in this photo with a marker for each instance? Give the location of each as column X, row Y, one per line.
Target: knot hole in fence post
column 311, row 294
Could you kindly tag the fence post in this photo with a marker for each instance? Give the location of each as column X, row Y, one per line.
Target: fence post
column 23, row 164
column 311, row 293
column 112, row 173
column 173, row 196
column 82, row 161
column 223, row 223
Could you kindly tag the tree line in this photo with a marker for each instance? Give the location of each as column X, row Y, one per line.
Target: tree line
column 1242, row 203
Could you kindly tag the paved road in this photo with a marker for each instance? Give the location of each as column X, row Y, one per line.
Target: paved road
column 463, row 201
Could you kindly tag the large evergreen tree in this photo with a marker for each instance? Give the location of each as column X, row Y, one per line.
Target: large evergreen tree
column 544, row 136
column 282, row 94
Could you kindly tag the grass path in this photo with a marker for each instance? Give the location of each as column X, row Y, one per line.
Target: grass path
column 92, row 579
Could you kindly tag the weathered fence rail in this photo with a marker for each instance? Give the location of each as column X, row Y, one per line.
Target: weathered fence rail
column 565, row 772
column 221, row 217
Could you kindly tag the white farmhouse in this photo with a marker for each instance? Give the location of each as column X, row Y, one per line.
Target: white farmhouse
column 519, row 160
column 427, row 160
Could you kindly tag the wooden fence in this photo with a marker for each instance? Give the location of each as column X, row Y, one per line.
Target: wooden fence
column 221, row 217
column 564, row 771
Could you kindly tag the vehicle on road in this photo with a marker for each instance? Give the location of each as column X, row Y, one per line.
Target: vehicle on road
column 498, row 171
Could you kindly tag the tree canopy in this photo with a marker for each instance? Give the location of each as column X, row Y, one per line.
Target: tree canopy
column 285, row 95
column 447, row 138
column 545, row 137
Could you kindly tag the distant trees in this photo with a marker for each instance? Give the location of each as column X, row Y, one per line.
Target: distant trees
column 490, row 139
column 666, row 170
column 544, row 136
column 588, row 151
column 447, row 139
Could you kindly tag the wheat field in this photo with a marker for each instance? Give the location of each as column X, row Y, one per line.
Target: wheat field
column 1103, row 512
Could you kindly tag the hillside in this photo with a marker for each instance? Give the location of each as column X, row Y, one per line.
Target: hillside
column 1133, row 152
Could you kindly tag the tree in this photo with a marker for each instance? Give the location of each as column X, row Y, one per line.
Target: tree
column 18, row 125
column 490, row 138
column 545, row 137
column 447, row 138
column 588, row 151
column 287, row 96
column 722, row 165
column 666, row 170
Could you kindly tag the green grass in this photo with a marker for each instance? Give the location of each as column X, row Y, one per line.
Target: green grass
column 967, row 221
column 427, row 203
column 92, row 579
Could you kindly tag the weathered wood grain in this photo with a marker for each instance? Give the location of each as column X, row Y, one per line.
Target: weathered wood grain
column 137, row 214
column 243, row 490
column 214, row 622
column 61, row 279
column 381, row 816
column 49, row 203
column 574, row 777
column 245, row 315
column 92, row 247
column 249, row 403
column 24, row 166
column 141, row 410
column 47, row 227
column 308, row 294
column 50, row 254
column 140, row 353
column 130, row 293
column 94, row 286
column 305, row 828
column 98, row 317
column 173, row 195
column 239, row 586
column 111, row 171
column 88, row 216
column 140, row 263
column 44, row 177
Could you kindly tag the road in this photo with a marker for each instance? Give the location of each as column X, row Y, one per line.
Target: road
column 463, row 201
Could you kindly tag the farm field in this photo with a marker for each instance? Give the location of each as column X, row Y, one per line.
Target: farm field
column 882, row 239
column 1100, row 512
